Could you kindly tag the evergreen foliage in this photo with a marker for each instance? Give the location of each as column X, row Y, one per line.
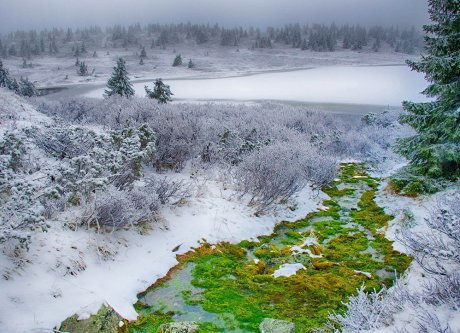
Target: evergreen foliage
column 143, row 53
column 4, row 76
column 161, row 92
column 119, row 83
column 434, row 152
column 27, row 88
column 82, row 69
column 177, row 61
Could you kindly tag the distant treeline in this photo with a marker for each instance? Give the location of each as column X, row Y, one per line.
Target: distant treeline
column 323, row 38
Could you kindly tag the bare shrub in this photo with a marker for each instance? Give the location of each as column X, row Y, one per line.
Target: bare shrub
column 269, row 174
column 167, row 190
column 441, row 246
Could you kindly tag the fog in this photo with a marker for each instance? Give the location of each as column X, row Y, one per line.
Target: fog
column 35, row 14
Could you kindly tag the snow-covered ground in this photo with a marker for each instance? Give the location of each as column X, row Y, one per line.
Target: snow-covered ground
column 413, row 214
column 66, row 272
column 213, row 61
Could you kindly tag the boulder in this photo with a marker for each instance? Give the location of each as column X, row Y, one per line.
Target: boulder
column 270, row 325
column 179, row 327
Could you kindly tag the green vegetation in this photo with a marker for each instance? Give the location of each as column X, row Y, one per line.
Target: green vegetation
column 434, row 152
column 232, row 286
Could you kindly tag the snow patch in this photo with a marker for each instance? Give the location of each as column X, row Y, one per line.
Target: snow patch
column 288, row 270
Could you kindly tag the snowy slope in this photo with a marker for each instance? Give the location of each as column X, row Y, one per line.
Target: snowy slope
column 75, row 271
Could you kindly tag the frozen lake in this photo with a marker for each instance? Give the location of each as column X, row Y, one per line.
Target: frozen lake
column 372, row 85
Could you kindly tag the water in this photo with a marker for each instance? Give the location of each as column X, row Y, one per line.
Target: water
column 370, row 85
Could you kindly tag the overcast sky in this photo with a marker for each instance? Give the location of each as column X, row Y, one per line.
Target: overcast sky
column 30, row 14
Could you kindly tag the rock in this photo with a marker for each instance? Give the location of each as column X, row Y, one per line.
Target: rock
column 106, row 320
column 179, row 327
column 270, row 325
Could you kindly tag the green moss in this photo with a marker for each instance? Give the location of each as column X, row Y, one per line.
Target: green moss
column 243, row 292
column 104, row 321
column 370, row 215
column 149, row 322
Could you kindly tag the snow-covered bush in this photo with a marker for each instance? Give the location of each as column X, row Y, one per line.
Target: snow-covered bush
column 230, row 137
column 167, row 190
column 269, row 174
column 365, row 312
column 65, row 142
column 22, row 213
column 438, row 249
column 113, row 208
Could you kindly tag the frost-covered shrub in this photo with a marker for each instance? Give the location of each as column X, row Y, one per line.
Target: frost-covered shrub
column 22, row 213
column 269, row 174
column 444, row 289
column 12, row 151
column 437, row 250
column 434, row 251
column 364, row 312
column 65, row 142
column 429, row 322
column 224, row 136
column 233, row 146
column 167, row 190
column 317, row 168
column 90, row 161
column 114, row 208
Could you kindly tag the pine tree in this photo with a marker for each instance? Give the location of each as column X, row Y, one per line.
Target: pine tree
column 141, row 62
column 4, row 76
column 82, row 69
column 177, row 61
column 434, row 152
column 143, row 53
column 13, row 85
column 191, row 64
column 27, row 88
column 161, row 92
column 119, row 83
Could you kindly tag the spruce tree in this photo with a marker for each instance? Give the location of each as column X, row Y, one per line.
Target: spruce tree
column 119, row 83
column 177, row 60
column 82, row 69
column 4, row 76
column 27, row 88
column 143, row 53
column 434, row 152
column 161, row 92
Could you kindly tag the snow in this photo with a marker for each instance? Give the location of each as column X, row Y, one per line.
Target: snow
column 288, row 270
column 53, row 285
column 366, row 274
column 415, row 278
column 217, row 62
column 373, row 85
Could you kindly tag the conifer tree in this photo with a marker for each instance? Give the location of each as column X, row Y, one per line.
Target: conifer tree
column 434, row 152
column 82, row 69
column 4, row 76
column 177, row 60
column 119, row 83
column 27, row 88
column 191, row 64
column 143, row 53
column 161, row 92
